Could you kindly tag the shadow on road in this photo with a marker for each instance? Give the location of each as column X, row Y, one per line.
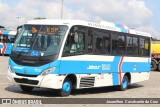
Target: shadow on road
column 53, row 93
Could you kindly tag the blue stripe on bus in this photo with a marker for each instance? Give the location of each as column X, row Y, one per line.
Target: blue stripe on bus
column 115, row 75
column 8, row 48
column 30, row 70
column 5, row 32
column 121, row 28
column 115, row 78
column 136, row 66
column 1, row 46
column 80, row 67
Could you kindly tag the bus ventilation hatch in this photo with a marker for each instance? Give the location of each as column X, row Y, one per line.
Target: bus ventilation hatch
column 87, row 82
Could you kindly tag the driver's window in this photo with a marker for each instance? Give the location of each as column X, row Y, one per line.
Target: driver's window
column 74, row 44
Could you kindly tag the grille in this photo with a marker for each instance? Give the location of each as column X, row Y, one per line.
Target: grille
column 29, row 63
column 26, row 75
column 87, row 82
column 26, row 81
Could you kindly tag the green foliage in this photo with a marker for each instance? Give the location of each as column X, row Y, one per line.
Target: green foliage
column 39, row 18
column 155, row 39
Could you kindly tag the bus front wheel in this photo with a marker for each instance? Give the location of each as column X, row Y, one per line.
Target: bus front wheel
column 26, row 88
column 66, row 88
column 124, row 84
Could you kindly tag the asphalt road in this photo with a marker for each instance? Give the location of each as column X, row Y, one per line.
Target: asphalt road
column 145, row 89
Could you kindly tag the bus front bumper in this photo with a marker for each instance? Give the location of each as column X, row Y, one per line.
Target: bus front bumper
column 49, row 81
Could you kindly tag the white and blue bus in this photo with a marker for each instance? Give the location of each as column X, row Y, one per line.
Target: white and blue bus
column 75, row 54
column 7, row 38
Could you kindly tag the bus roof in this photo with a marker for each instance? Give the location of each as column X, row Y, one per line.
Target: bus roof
column 13, row 32
column 102, row 25
column 8, row 32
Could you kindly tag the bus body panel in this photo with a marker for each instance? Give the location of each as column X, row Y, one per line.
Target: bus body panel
column 88, row 66
column 94, row 65
column 105, row 73
column 32, row 81
column 49, row 81
column 26, row 69
column 24, row 72
column 140, row 76
column 8, row 48
column 90, row 70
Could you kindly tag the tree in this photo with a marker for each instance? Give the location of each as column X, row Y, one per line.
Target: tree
column 155, row 39
column 39, row 18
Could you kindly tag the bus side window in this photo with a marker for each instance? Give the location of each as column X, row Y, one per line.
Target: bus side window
column 118, row 44
column 144, row 47
column 141, row 46
column 114, row 44
column 78, row 45
column 74, row 44
column 132, row 46
column 106, row 40
column 121, row 45
column 90, row 44
column 99, row 46
column 102, row 43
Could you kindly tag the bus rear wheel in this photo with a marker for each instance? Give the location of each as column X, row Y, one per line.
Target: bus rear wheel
column 26, row 88
column 66, row 88
column 124, row 84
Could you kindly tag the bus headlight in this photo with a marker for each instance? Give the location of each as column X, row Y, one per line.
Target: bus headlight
column 10, row 69
column 48, row 71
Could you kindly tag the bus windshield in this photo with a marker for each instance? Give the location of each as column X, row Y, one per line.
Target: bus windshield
column 39, row 40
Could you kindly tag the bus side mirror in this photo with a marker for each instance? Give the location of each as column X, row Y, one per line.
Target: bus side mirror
column 75, row 29
column 18, row 30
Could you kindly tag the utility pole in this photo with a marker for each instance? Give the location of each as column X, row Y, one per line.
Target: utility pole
column 18, row 17
column 62, row 10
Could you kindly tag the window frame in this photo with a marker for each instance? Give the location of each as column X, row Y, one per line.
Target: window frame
column 90, row 31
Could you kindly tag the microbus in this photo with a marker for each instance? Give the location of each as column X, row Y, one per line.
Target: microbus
column 76, row 54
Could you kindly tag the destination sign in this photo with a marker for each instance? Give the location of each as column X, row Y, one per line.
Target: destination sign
column 45, row 30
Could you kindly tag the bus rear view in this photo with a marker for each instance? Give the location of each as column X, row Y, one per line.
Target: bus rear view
column 66, row 55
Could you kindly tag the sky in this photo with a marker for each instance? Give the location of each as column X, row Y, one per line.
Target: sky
column 142, row 15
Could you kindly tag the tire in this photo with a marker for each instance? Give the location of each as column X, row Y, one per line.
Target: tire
column 0, row 53
column 159, row 66
column 124, row 84
column 66, row 88
column 26, row 88
column 153, row 66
